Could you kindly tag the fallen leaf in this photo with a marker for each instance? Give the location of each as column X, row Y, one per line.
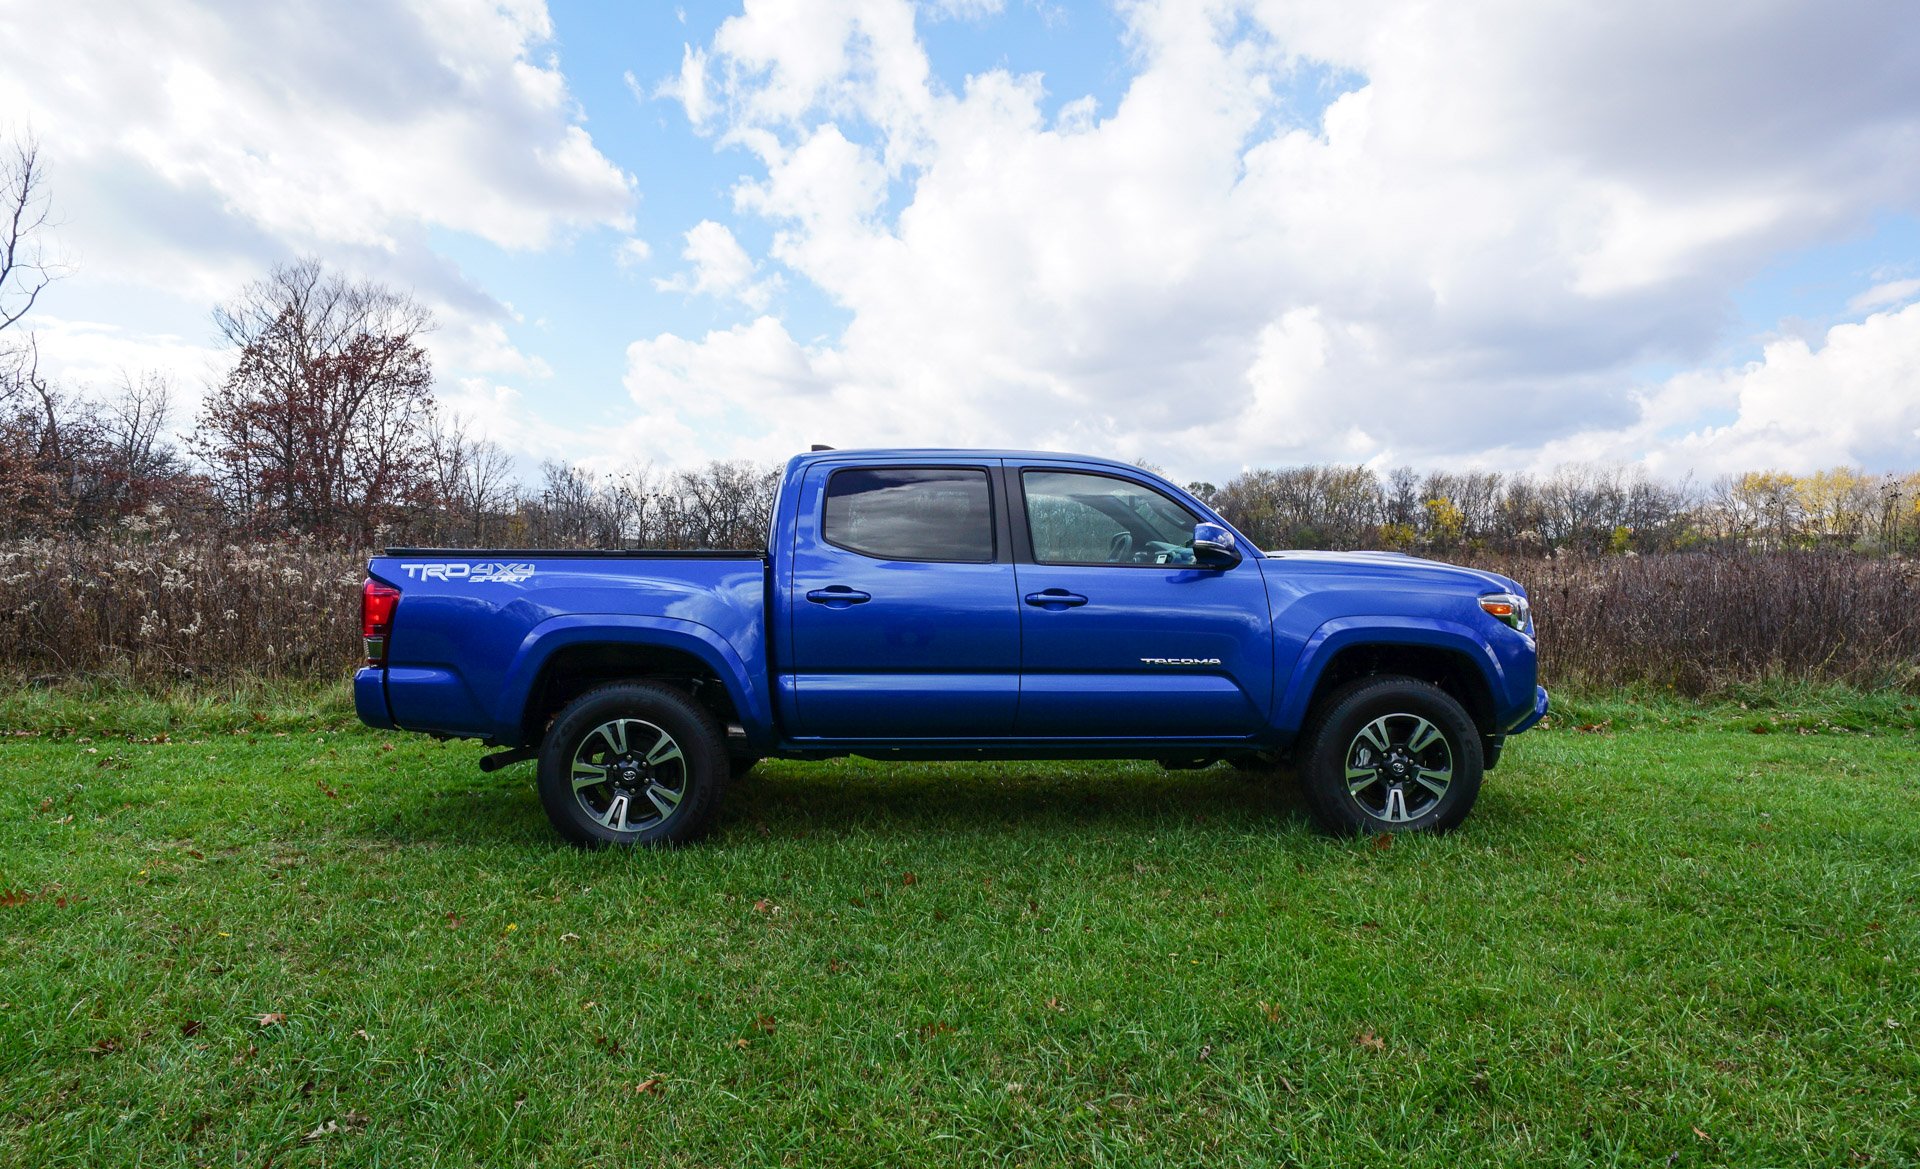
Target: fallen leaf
column 362, row 1034
column 1054, row 1004
column 835, row 966
column 1701, row 1135
column 1758, row 729
column 742, row 1044
column 1270, row 1010
column 650, row 1084
column 765, row 906
column 190, row 1028
column 453, row 920
column 934, row 1030
column 351, row 1122
column 106, row 1046
column 14, row 898
column 272, row 1019
column 1370, row 1041
column 569, row 937
column 1383, row 841
column 1594, row 728
column 329, row 792
column 1206, row 1051
column 909, row 879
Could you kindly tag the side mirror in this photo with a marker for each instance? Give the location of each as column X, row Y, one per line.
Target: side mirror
column 1214, row 546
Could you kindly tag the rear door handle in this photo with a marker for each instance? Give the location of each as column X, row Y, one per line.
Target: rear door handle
column 838, row 596
column 1055, row 599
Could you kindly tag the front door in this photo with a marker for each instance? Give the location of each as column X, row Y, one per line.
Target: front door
column 1122, row 635
column 903, row 615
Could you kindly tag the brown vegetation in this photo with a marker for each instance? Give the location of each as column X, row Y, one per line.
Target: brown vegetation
column 152, row 610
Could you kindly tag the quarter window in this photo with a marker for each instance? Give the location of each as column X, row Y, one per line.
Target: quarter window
column 1097, row 519
column 911, row 513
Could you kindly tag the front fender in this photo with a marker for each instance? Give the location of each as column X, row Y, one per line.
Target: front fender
column 1436, row 633
column 745, row 685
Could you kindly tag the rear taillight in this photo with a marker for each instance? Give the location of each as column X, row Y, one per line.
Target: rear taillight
column 377, row 602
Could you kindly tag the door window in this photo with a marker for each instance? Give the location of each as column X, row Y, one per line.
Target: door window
column 1077, row 518
column 911, row 513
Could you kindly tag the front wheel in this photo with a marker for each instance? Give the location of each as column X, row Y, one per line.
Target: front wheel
column 633, row 763
column 1391, row 754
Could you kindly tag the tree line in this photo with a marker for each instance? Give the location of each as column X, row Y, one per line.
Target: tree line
column 325, row 427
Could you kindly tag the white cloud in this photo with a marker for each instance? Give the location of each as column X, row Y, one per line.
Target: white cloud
column 632, row 252
column 92, row 357
column 309, row 124
column 1881, row 295
column 721, row 267
column 1853, row 398
column 1502, row 215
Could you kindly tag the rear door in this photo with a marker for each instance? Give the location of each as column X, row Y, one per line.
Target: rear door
column 901, row 604
column 1122, row 635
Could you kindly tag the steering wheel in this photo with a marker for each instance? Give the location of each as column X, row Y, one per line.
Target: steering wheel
column 1120, row 548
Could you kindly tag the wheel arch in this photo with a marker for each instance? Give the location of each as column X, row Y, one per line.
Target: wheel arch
column 564, row 658
column 1442, row 653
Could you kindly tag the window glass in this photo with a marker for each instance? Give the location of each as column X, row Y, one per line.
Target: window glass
column 1094, row 519
column 911, row 513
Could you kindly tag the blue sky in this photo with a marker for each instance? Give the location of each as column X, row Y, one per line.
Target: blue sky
column 1207, row 233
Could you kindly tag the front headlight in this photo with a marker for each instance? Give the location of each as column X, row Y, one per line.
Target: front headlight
column 1508, row 607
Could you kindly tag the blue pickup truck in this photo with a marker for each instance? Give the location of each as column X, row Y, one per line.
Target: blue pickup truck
column 955, row 604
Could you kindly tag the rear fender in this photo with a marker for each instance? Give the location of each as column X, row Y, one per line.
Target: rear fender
column 744, row 686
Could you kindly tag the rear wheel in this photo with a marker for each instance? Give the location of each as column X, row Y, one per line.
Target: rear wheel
column 1391, row 754
column 633, row 763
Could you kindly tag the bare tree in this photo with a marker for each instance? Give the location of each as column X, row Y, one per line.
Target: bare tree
column 472, row 482
column 26, row 213
column 323, row 424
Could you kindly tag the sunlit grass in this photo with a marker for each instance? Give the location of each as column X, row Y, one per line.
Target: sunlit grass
column 263, row 933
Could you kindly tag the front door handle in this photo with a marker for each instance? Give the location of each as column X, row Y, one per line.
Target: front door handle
column 1055, row 599
column 838, row 596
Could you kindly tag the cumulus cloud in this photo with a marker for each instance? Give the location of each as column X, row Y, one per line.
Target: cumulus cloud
column 1497, row 218
column 1852, row 397
column 721, row 267
column 317, row 123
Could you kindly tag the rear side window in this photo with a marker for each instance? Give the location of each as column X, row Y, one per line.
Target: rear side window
column 911, row 513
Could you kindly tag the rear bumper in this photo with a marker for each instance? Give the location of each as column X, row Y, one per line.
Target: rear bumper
column 370, row 698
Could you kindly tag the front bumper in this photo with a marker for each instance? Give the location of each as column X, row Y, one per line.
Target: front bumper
column 1540, row 707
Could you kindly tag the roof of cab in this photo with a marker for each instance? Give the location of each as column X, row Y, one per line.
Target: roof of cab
column 867, row 453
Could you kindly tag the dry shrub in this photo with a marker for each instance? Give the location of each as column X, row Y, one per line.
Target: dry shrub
column 1700, row 622
column 176, row 609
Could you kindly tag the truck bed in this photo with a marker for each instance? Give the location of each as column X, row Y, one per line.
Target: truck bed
column 592, row 553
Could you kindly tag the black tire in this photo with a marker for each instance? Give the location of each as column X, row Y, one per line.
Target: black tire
column 614, row 729
column 1376, row 724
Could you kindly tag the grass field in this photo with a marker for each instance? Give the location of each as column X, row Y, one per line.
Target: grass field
column 254, row 934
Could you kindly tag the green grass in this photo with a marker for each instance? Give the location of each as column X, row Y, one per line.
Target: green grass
column 1667, row 939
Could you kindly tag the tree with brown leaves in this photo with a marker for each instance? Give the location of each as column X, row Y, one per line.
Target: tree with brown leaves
column 325, row 422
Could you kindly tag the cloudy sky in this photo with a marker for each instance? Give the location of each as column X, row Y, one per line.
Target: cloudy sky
column 1208, row 233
